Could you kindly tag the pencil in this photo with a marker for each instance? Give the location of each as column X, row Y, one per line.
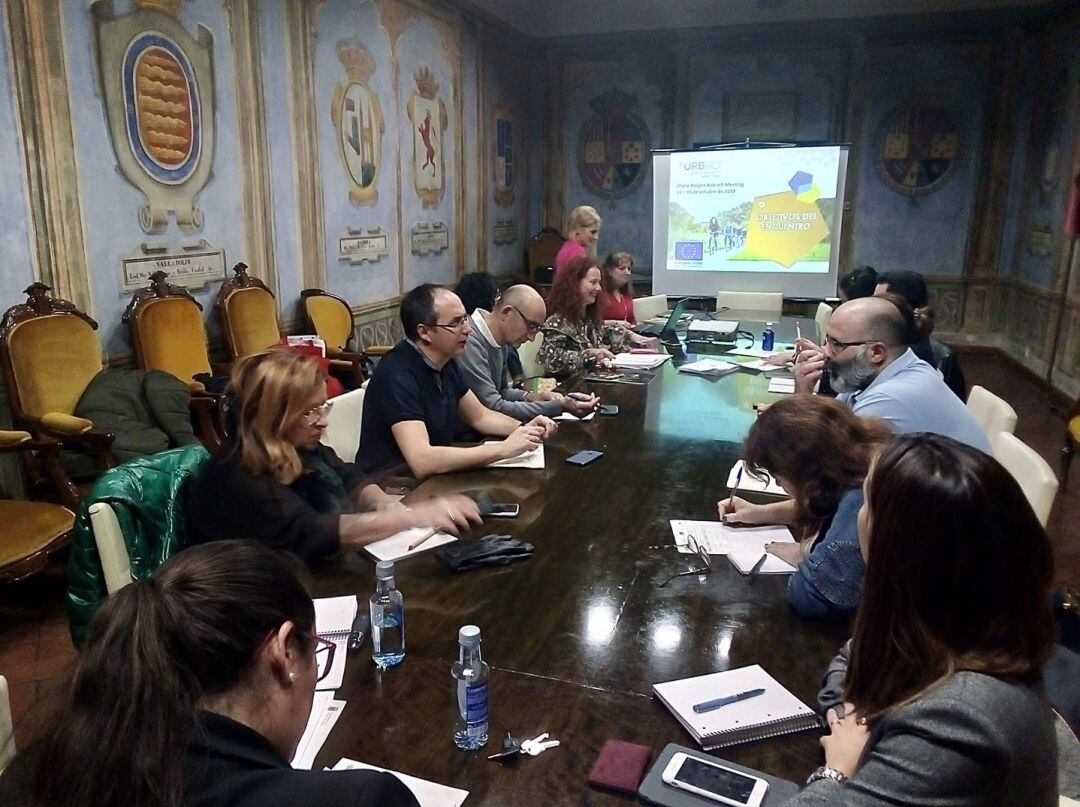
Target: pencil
column 422, row 538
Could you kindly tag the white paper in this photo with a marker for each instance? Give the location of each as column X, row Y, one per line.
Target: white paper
column 748, row 482
column 569, row 416
column 782, row 385
column 757, row 365
column 718, row 538
column 714, row 367
column 714, row 326
column 429, row 794
column 530, row 459
column 754, row 352
column 640, row 361
column 333, row 621
column 325, row 711
column 397, row 545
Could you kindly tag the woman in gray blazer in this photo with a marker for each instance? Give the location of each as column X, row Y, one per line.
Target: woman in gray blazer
column 938, row 696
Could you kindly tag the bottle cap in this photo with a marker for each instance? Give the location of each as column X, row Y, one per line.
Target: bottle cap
column 469, row 635
column 384, row 569
column 768, row 324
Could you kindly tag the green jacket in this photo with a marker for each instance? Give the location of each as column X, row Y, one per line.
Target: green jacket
column 148, row 496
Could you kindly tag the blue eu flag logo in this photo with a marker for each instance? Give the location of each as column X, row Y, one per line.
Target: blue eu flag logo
column 689, row 250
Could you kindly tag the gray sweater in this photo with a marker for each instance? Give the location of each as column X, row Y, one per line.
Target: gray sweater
column 483, row 366
column 973, row 740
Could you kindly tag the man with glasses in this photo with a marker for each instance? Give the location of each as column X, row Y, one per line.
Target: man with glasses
column 417, row 398
column 517, row 318
column 870, row 365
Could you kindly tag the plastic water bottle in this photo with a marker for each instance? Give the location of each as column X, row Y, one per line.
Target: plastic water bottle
column 470, row 674
column 387, row 618
column 767, row 337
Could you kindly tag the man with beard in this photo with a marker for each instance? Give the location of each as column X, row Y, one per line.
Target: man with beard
column 873, row 370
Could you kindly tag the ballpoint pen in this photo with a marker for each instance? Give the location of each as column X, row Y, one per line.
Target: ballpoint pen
column 757, row 566
column 798, row 338
column 734, row 490
column 708, row 706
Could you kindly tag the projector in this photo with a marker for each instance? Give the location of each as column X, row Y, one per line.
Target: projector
column 712, row 330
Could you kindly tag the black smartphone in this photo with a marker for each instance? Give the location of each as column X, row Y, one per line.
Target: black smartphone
column 506, row 510
column 584, row 457
column 609, row 409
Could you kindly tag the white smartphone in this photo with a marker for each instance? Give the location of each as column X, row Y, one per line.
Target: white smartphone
column 714, row 781
column 504, row 510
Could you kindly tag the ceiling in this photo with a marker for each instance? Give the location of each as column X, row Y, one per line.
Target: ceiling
column 569, row 18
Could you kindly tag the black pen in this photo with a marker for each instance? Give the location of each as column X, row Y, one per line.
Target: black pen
column 757, row 566
column 709, row 706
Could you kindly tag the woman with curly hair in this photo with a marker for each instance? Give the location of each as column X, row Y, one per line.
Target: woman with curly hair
column 820, row 452
column 575, row 337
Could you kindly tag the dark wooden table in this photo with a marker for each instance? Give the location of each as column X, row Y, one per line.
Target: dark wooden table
column 577, row 635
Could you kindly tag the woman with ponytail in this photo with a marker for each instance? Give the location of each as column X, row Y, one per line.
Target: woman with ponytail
column 193, row 689
column 912, row 288
column 274, row 482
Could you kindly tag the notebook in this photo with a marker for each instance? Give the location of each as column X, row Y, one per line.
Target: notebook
column 397, row 545
column 743, row 546
column 640, row 361
column 428, row 794
column 530, row 459
column 782, row 385
column 771, row 714
column 770, row 485
column 709, row 367
column 333, row 621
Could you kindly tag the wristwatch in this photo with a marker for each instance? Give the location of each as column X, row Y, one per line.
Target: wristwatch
column 825, row 772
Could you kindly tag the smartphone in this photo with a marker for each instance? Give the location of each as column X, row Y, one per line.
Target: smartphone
column 584, row 457
column 507, row 510
column 714, row 781
column 609, row 409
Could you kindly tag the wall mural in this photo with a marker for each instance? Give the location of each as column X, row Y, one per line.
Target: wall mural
column 916, row 149
column 613, row 147
column 427, row 112
column 504, row 156
column 157, row 82
column 358, row 119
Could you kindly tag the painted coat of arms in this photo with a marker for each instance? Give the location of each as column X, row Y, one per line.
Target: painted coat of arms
column 917, row 148
column 428, row 115
column 157, row 82
column 358, row 118
column 613, row 147
column 504, row 156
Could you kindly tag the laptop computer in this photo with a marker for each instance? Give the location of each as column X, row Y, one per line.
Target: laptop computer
column 667, row 330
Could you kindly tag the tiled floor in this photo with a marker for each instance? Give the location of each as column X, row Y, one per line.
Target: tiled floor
column 36, row 650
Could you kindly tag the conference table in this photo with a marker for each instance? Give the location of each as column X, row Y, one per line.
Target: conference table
column 577, row 635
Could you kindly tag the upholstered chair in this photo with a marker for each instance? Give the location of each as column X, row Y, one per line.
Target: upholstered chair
column 248, row 314
column 169, row 335
column 331, row 318
column 49, row 352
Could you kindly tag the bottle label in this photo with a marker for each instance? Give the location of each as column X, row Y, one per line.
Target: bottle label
column 476, row 706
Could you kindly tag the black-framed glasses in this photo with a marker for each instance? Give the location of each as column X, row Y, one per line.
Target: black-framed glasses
column 317, row 413
column 453, row 325
column 836, row 345
column 324, row 656
column 702, row 555
column 530, row 325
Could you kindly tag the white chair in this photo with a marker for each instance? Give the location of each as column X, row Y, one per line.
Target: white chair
column 771, row 302
column 112, row 550
column 7, row 730
column 527, row 353
column 822, row 317
column 342, row 432
column 648, row 307
column 1034, row 474
column 991, row 412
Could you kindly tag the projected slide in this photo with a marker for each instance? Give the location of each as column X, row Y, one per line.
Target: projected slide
column 766, row 210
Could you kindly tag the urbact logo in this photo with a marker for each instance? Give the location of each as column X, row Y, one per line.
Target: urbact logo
column 693, row 166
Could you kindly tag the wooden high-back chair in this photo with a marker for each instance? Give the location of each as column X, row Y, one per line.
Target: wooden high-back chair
column 169, row 335
column 248, row 314
column 49, row 352
column 331, row 318
column 541, row 251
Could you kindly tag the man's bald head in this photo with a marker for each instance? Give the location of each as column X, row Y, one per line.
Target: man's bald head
column 872, row 319
column 527, row 299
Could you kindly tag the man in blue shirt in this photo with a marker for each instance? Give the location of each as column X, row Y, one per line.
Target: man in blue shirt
column 872, row 368
column 417, row 398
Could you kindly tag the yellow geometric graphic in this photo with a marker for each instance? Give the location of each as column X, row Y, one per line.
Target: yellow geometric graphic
column 810, row 196
column 595, row 151
column 896, row 145
column 784, row 229
column 943, row 146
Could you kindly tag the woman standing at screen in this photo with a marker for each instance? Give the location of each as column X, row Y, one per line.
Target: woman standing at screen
column 582, row 231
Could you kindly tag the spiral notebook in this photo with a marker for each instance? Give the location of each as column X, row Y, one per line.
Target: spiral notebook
column 333, row 621
column 770, row 714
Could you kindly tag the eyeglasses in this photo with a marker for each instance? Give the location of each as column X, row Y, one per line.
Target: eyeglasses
column 453, row 325
column 704, row 556
column 324, row 656
column 317, row 413
column 530, row 325
column 836, row 345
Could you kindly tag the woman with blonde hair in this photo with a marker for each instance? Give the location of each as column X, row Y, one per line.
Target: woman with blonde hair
column 275, row 483
column 582, row 233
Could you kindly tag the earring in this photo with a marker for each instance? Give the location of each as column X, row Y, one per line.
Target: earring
column 292, row 675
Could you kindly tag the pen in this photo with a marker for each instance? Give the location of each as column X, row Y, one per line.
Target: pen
column 708, row 706
column 734, row 490
column 579, row 396
column 758, row 565
column 422, row 538
column 798, row 338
